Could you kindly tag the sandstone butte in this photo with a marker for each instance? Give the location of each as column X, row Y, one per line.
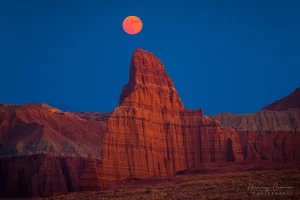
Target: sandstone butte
column 150, row 134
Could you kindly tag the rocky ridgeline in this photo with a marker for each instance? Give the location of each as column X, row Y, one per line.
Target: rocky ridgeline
column 96, row 116
column 290, row 101
column 8, row 107
column 34, row 128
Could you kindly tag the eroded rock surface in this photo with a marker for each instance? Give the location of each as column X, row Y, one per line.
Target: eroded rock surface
column 273, row 146
column 270, row 134
column 89, row 180
column 151, row 134
column 38, row 128
column 262, row 121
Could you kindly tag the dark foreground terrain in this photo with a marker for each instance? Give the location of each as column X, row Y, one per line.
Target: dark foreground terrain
column 272, row 184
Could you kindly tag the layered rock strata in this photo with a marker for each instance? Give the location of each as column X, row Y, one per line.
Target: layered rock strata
column 151, row 134
column 263, row 121
column 276, row 146
column 270, row 134
column 40, row 175
column 89, row 180
column 38, row 128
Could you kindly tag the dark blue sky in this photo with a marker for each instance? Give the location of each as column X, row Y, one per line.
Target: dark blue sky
column 226, row 56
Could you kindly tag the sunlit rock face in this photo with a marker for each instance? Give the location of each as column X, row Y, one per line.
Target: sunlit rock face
column 151, row 134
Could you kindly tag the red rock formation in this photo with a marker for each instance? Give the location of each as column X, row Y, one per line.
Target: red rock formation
column 89, row 180
column 290, row 101
column 39, row 175
column 268, row 135
column 144, row 133
column 36, row 128
column 274, row 146
column 205, row 141
column 151, row 134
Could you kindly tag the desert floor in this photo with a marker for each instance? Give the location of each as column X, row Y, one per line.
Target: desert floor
column 274, row 184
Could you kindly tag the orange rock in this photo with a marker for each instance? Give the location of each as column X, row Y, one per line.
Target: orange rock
column 151, row 134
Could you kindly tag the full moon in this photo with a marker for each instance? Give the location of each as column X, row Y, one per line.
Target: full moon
column 132, row 25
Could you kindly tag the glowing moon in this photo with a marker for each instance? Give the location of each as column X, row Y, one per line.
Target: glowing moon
column 132, row 25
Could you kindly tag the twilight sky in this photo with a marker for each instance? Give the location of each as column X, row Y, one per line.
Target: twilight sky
column 226, row 56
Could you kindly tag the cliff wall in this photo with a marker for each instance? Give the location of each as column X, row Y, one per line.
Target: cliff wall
column 151, row 134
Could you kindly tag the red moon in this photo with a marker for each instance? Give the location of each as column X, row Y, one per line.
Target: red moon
column 132, row 25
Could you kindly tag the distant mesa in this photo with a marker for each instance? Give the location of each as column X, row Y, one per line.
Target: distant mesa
column 281, row 115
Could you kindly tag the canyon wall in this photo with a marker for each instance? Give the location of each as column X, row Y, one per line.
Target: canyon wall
column 267, row 134
column 205, row 141
column 89, row 181
column 275, row 146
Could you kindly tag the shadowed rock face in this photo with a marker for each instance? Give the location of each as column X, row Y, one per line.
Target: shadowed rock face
column 274, row 146
column 151, row 134
column 40, row 175
column 89, row 180
column 290, row 101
